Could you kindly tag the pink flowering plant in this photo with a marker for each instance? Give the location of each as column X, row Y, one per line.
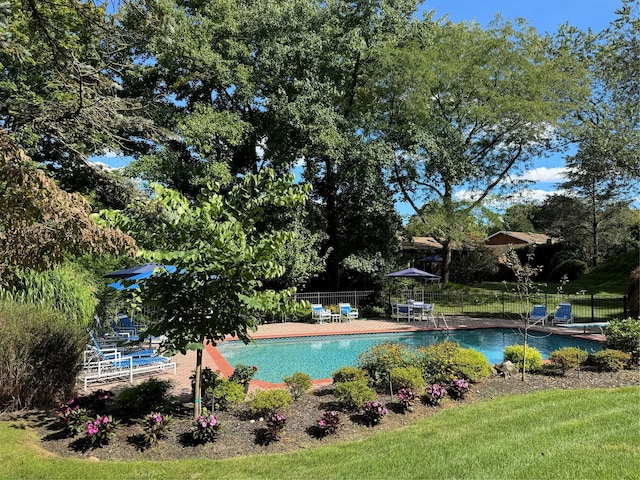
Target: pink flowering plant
column 72, row 416
column 434, row 393
column 373, row 412
column 101, row 430
column 458, row 388
column 156, row 426
column 275, row 426
column 407, row 396
column 329, row 422
column 205, row 428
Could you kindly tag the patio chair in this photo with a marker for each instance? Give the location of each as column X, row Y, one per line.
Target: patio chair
column 538, row 315
column 422, row 311
column 563, row 314
column 319, row 313
column 399, row 311
column 347, row 312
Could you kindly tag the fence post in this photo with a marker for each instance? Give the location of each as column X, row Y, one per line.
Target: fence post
column 625, row 299
column 593, row 311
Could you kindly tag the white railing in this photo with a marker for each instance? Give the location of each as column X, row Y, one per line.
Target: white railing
column 354, row 297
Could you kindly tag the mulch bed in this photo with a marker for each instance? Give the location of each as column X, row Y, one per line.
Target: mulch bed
column 242, row 435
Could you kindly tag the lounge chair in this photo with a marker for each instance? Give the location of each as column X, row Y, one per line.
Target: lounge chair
column 563, row 314
column 538, row 315
column 121, row 347
column 109, row 364
column 347, row 313
column 319, row 313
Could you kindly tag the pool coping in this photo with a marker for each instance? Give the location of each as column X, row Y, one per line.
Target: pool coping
column 360, row 327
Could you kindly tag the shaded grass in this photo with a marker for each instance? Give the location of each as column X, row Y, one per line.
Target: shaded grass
column 587, row 434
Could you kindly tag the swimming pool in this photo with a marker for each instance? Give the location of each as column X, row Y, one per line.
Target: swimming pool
column 320, row 356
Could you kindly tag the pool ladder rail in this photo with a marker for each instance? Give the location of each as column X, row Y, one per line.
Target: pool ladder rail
column 436, row 322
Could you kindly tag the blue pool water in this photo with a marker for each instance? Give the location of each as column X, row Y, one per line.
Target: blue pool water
column 320, row 356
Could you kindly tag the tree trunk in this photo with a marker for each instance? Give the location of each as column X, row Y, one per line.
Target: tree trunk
column 446, row 261
column 197, row 389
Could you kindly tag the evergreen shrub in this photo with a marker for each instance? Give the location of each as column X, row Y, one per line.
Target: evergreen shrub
column 609, row 360
column 354, row 394
column 267, row 402
column 515, row 354
column 568, row 357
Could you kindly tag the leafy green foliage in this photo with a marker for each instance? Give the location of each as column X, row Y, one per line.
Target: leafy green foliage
column 568, row 357
column 609, row 360
column 266, row 402
column 471, row 365
column 354, row 394
column 40, row 356
column 379, row 360
column 438, row 363
column 298, row 383
column 572, row 269
column 222, row 259
column 349, row 374
column 227, row 394
column 624, row 335
column 155, row 427
column 136, row 400
column 407, row 377
column 515, row 354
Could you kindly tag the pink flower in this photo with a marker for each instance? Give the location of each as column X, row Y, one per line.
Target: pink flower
column 213, row 421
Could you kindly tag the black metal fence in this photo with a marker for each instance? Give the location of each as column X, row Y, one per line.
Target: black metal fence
column 585, row 308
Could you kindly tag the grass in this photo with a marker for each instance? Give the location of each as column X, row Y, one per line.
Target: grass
column 587, row 434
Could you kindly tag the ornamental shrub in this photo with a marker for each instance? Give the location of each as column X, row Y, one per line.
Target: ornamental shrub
column 470, row 365
column 275, row 427
column 568, row 357
column 227, row 395
column 329, row 422
column 609, row 360
column 624, row 335
column 373, row 412
column 266, row 402
column 134, row 401
column 433, row 394
column 73, row 416
column 572, row 269
column 349, row 374
column 407, row 396
column 438, row 360
column 407, row 377
column 458, row 388
column 378, row 361
column 298, row 383
column 101, row 430
column 243, row 374
column 40, row 356
column 353, row 394
column 155, row 426
column 205, row 428
column 515, row 354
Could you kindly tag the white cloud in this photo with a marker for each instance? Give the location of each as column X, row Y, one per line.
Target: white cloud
column 545, row 175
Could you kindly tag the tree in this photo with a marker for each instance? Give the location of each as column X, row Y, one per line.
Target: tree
column 467, row 107
column 517, row 218
column 40, row 223
column 278, row 84
column 221, row 258
column 60, row 85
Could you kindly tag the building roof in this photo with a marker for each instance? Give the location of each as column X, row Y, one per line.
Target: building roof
column 527, row 238
column 421, row 243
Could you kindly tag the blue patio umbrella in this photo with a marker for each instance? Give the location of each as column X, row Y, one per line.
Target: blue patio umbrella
column 135, row 273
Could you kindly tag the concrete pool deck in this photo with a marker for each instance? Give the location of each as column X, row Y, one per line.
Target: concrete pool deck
column 213, row 359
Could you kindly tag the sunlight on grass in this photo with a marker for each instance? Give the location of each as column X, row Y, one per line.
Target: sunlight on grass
column 586, row 434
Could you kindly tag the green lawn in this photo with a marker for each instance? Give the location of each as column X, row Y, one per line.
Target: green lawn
column 588, row 434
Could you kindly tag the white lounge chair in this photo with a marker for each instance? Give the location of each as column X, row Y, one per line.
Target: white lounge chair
column 347, row 313
column 319, row 313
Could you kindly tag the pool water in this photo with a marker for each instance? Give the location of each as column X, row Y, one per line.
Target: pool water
column 320, row 356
